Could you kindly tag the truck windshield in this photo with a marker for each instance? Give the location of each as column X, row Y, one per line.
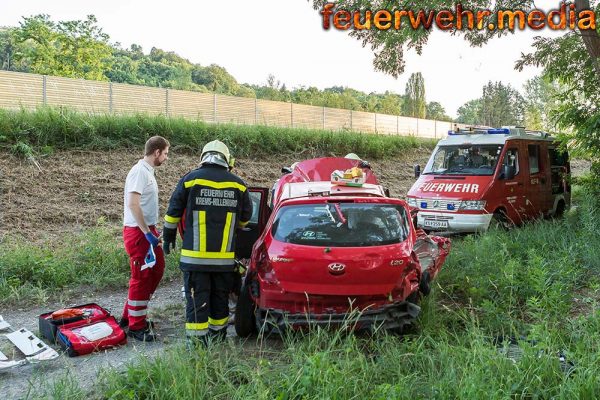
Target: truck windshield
column 464, row 160
column 341, row 224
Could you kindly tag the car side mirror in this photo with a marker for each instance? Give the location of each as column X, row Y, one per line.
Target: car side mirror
column 286, row 170
column 417, row 171
column 508, row 172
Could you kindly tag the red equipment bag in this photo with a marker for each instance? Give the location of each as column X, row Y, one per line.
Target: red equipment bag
column 82, row 337
column 90, row 312
column 82, row 329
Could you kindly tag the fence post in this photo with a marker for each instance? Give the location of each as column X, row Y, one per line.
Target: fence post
column 397, row 125
column 167, row 103
column 351, row 120
column 418, row 127
column 110, row 98
column 323, row 117
column 255, row 111
column 215, row 108
column 375, row 122
column 292, row 113
column 435, row 128
column 44, row 89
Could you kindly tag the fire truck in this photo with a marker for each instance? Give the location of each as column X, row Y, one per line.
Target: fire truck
column 480, row 176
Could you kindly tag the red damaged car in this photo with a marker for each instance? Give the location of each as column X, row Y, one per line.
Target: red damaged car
column 332, row 246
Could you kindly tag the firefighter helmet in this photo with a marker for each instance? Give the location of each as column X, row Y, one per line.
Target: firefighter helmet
column 352, row 156
column 216, row 152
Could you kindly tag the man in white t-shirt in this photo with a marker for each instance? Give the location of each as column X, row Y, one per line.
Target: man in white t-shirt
column 140, row 216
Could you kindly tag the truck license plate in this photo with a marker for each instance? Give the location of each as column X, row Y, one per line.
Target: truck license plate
column 429, row 223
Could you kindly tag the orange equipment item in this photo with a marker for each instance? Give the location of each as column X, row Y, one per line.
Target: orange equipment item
column 65, row 313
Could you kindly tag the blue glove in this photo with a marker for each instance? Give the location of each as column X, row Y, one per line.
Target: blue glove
column 153, row 240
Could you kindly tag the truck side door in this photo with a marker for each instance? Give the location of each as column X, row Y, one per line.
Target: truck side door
column 539, row 188
column 514, row 189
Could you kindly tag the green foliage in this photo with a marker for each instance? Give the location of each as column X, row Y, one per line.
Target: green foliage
column 576, row 77
column 415, row 104
column 436, row 111
column 31, row 272
column 65, row 129
column 469, row 112
column 499, row 105
column 520, row 282
column 80, row 49
column 541, row 100
column 22, row 150
column 75, row 49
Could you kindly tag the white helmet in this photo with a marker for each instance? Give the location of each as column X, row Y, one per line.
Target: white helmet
column 216, row 152
column 352, row 156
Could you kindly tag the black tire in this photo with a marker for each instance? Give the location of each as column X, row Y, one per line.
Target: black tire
column 425, row 284
column 500, row 220
column 245, row 319
column 560, row 210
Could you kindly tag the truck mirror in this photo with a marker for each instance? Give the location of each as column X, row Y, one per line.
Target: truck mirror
column 508, row 172
column 417, row 171
column 286, row 170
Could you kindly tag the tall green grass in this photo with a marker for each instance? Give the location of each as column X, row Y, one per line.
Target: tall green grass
column 30, row 273
column 522, row 284
column 48, row 128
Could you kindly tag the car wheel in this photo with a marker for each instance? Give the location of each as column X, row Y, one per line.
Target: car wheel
column 425, row 284
column 245, row 323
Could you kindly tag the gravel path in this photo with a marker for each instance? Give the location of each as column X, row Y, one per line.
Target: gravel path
column 166, row 309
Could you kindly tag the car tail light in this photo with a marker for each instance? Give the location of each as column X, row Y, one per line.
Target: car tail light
column 262, row 262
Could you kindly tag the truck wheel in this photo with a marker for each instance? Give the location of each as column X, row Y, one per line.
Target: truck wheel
column 500, row 220
column 560, row 210
column 245, row 323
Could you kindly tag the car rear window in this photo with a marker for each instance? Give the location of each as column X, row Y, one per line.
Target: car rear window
column 341, row 224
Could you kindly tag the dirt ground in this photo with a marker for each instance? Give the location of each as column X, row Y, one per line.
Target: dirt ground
column 74, row 189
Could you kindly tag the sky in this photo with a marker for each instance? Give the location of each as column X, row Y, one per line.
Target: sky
column 252, row 39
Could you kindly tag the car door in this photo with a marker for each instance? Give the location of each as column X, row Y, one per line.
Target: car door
column 247, row 236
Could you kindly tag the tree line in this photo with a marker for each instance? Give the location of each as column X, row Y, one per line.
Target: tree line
column 564, row 98
column 81, row 49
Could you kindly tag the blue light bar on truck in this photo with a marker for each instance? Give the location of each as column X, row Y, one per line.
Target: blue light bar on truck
column 491, row 131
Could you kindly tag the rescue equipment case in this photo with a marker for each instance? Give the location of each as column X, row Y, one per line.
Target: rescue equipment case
column 95, row 330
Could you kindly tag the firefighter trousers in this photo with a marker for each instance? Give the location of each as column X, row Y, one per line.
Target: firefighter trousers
column 142, row 284
column 207, row 302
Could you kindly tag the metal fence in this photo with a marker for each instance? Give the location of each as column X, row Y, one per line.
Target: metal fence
column 21, row 90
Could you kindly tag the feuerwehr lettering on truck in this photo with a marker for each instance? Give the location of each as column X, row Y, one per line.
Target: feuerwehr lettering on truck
column 450, row 187
column 216, row 197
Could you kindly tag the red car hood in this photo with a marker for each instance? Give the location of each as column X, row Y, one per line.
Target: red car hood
column 450, row 187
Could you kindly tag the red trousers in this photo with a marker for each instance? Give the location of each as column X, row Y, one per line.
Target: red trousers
column 142, row 284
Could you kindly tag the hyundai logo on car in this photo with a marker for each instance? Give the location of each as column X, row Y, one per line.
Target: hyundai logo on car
column 336, row 268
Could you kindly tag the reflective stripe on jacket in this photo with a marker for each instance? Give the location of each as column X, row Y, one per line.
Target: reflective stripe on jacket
column 216, row 202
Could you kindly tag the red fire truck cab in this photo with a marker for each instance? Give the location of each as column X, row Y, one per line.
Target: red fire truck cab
column 333, row 251
column 478, row 177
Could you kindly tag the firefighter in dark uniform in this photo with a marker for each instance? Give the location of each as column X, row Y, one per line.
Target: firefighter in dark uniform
column 215, row 202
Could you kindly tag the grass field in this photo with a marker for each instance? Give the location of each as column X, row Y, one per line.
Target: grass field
column 28, row 132
column 538, row 284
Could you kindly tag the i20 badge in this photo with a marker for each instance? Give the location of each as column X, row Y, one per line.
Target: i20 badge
column 336, row 268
